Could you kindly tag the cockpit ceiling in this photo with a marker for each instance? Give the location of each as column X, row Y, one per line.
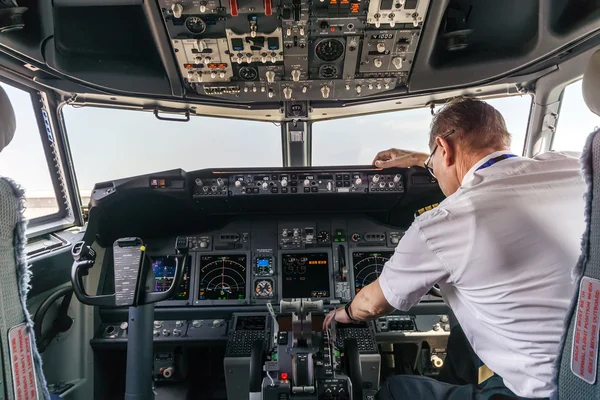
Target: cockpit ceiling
column 249, row 56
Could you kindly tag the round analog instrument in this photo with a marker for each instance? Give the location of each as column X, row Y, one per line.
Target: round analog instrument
column 328, row 71
column 329, row 49
column 195, row 25
column 248, row 73
column 368, row 267
column 264, row 289
column 323, row 236
column 222, row 278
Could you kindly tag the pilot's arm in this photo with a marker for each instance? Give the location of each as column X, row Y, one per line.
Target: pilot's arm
column 399, row 158
column 410, row 274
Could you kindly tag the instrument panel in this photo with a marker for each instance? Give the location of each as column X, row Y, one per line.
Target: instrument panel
column 294, row 50
column 254, row 260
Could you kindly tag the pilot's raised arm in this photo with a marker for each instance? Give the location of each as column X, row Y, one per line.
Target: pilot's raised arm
column 501, row 246
column 399, row 158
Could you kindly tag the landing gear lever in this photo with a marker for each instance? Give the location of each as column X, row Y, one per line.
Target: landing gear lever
column 131, row 266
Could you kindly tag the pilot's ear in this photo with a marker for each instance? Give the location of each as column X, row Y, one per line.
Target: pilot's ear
column 446, row 149
column 7, row 120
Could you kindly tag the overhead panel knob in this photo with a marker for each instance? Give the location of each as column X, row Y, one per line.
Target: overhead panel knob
column 265, row 186
column 221, row 74
column 306, row 182
column 378, row 63
column 358, row 89
column 397, row 61
column 270, row 75
column 396, row 180
column 358, row 181
column 284, row 182
column 271, row 94
column 203, row 7
column 381, row 47
column 375, row 178
column 325, row 91
column 296, row 75
column 177, row 10
column 198, row 182
column 213, row 74
column 287, row 92
column 197, row 323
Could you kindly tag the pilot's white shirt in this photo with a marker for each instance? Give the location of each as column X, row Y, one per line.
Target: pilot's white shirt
column 502, row 249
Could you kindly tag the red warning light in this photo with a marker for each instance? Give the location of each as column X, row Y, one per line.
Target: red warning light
column 284, row 376
column 332, row 29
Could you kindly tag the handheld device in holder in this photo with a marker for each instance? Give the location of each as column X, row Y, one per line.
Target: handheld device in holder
column 131, row 266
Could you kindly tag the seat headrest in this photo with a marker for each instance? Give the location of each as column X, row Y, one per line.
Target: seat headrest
column 591, row 83
column 8, row 123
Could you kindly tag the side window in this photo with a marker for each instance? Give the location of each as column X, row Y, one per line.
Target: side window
column 575, row 121
column 24, row 160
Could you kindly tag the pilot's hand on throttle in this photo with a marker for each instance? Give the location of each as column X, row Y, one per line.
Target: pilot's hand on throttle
column 338, row 315
column 399, row 158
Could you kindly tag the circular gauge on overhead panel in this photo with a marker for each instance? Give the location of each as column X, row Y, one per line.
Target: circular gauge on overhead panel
column 195, row 25
column 248, row 73
column 355, row 237
column 323, row 236
column 329, row 49
column 264, row 289
column 328, row 71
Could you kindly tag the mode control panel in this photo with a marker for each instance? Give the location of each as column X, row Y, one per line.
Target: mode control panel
column 299, row 183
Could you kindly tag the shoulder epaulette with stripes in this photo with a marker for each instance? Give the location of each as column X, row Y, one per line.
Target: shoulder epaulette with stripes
column 423, row 210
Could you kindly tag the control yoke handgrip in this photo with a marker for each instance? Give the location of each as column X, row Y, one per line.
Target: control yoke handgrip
column 85, row 257
column 153, row 297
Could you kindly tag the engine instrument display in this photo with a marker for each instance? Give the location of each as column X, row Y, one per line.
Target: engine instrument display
column 222, row 277
column 305, row 275
column 164, row 273
column 368, row 267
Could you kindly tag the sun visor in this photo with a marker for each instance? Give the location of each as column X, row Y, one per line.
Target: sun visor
column 8, row 123
column 591, row 83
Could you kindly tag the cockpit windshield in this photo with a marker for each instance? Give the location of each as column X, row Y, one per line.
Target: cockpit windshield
column 111, row 144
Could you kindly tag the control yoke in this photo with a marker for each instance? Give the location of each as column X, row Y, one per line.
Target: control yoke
column 131, row 266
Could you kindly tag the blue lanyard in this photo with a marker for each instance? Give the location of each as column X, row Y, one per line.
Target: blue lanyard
column 494, row 160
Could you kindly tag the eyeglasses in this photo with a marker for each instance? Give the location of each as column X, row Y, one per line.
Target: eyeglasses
column 428, row 161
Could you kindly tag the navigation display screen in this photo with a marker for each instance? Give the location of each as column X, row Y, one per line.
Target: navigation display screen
column 164, row 273
column 368, row 267
column 222, row 277
column 305, row 275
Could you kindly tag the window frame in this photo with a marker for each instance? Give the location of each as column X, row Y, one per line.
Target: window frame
column 56, row 158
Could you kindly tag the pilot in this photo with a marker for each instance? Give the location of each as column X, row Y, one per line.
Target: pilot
column 501, row 246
